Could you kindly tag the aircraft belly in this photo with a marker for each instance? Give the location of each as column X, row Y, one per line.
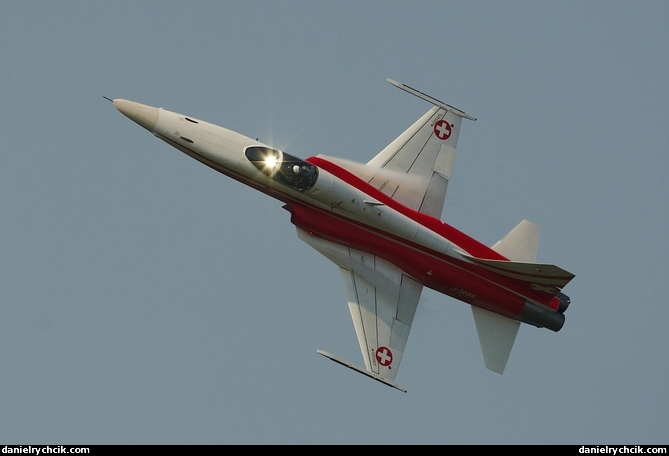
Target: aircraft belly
column 380, row 223
column 434, row 270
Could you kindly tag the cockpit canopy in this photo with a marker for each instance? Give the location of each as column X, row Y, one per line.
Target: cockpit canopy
column 283, row 168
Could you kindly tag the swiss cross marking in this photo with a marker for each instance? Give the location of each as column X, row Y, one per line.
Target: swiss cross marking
column 384, row 356
column 442, row 129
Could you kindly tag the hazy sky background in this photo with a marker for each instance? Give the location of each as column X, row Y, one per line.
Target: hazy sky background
column 145, row 298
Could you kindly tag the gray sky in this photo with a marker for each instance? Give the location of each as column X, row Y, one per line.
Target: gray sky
column 147, row 299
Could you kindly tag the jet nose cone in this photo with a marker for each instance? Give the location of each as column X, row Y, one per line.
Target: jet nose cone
column 144, row 115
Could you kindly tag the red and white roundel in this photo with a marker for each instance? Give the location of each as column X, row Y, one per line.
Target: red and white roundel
column 442, row 129
column 384, row 356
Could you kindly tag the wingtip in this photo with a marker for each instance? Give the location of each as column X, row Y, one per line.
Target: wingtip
column 431, row 99
column 372, row 375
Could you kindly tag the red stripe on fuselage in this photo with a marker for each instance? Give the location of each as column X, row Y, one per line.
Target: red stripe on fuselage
column 443, row 274
column 447, row 275
column 469, row 244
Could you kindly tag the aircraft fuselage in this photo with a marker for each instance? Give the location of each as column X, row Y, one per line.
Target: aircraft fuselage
column 327, row 201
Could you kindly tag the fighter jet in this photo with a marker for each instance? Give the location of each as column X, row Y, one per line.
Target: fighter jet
column 380, row 223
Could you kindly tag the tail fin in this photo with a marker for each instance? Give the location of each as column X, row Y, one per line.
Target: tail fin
column 519, row 246
column 521, row 243
column 496, row 332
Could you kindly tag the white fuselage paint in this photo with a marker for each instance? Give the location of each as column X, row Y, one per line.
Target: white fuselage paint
column 223, row 150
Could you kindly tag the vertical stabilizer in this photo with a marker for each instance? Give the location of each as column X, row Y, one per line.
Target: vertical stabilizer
column 521, row 243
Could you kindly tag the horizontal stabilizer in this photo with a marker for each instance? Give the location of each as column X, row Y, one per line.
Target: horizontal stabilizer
column 376, row 377
column 533, row 273
column 497, row 334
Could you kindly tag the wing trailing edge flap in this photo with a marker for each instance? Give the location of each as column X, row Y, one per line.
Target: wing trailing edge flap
column 497, row 334
column 382, row 300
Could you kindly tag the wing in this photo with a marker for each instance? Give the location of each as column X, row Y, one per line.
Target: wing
column 382, row 300
column 417, row 166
